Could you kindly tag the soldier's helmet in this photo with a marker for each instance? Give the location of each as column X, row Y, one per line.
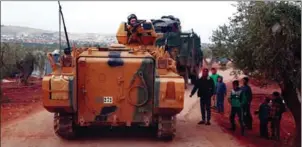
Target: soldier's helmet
column 131, row 16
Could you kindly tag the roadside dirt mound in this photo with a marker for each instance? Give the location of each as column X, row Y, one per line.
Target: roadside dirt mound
column 19, row 100
column 252, row 138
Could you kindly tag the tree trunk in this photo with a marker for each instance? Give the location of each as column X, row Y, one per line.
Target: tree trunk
column 291, row 99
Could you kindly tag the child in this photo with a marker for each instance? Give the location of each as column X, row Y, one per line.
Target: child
column 236, row 103
column 264, row 113
column 214, row 76
column 247, row 117
column 278, row 107
column 220, row 94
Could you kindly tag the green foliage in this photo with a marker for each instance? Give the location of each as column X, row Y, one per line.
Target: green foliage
column 264, row 38
column 12, row 53
column 222, row 42
column 207, row 53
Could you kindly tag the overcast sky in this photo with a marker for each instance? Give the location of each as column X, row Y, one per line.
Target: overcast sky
column 105, row 17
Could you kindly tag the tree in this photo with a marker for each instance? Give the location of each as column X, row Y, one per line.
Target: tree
column 208, row 54
column 15, row 58
column 221, row 38
column 265, row 40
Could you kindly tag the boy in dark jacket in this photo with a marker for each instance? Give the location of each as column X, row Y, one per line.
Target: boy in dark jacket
column 247, row 117
column 220, row 94
column 278, row 108
column 264, row 113
column 205, row 86
column 235, row 100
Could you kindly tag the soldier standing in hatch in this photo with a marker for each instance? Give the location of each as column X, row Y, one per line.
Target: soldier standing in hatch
column 134, row 29
column 205, row 87
column 132, row 20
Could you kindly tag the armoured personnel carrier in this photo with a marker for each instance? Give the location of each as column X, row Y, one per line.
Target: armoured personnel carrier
column 132, row 83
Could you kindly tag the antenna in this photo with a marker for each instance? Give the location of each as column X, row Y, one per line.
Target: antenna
column 60, row 48
column 65, row 30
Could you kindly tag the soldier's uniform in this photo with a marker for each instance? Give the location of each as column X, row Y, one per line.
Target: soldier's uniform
column 134, row 29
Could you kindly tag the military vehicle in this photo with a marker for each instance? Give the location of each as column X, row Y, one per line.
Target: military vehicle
column 132, row 83
column 184, row 47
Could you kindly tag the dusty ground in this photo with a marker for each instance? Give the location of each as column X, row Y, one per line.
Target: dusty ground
column 26, row 123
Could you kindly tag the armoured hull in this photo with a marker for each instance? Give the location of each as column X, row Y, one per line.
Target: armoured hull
column 113, row 89
column 123, row 85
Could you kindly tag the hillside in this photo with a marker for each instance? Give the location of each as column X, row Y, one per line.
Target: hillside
column 32, row 35
column 11, row 33
column 20, row 31
column 15, row 30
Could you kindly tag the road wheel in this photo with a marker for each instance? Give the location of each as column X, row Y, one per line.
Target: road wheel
column 64, row 126
column 166, row 127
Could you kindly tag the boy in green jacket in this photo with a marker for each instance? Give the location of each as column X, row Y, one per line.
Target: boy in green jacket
column 236, row 101
column 214, row 76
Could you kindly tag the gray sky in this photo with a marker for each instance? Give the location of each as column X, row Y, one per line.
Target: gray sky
column 105, row 17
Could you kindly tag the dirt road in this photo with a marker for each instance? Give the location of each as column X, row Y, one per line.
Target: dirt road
column 36, row 130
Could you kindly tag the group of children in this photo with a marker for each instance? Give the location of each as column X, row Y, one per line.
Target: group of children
column 240, row 100
column 271, row 110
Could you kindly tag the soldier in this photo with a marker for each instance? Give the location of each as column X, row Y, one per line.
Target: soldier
column 132, row 20
column 247, row 91
column 134, row 29
column 236, row 102
column 205, row 87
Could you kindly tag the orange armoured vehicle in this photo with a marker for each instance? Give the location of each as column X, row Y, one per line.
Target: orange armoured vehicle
column 132, row 83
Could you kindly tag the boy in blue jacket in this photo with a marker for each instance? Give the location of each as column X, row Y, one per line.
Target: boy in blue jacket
column 220, row 94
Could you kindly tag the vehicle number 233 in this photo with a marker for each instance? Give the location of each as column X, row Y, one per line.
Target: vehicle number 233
column 107, row 99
